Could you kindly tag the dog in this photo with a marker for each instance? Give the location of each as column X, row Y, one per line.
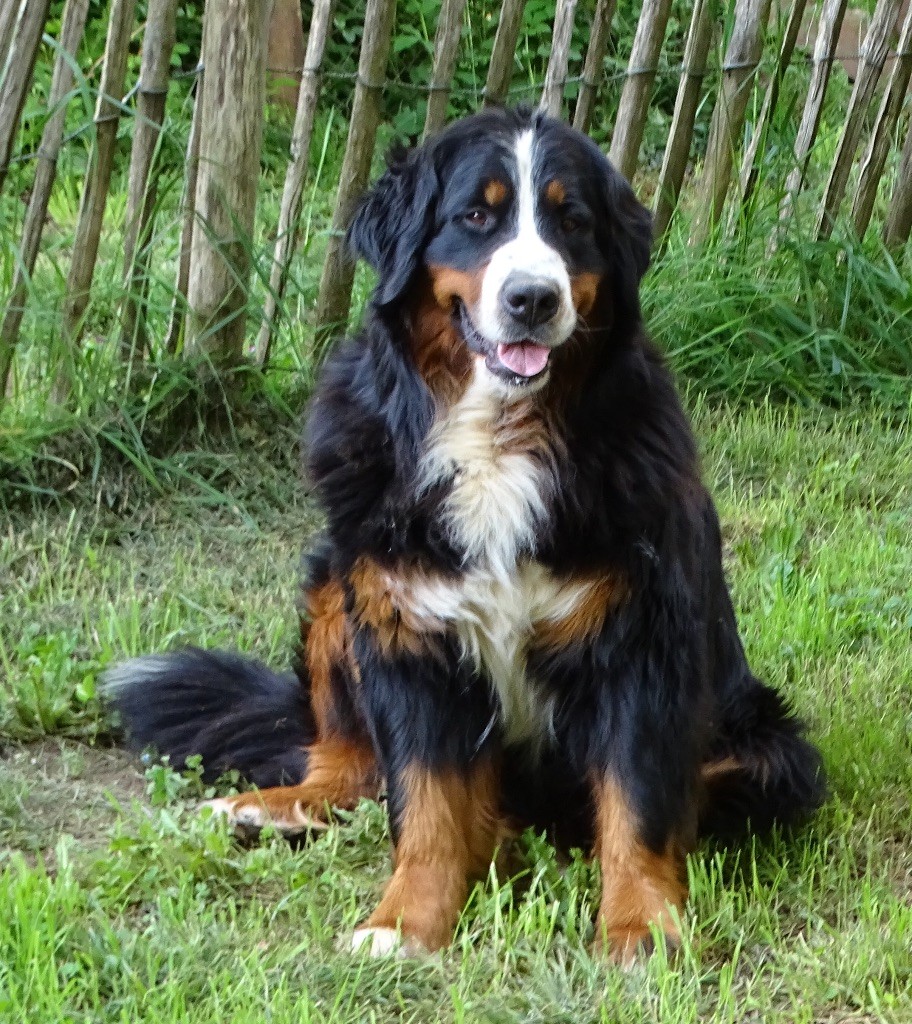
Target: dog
column 516, row 615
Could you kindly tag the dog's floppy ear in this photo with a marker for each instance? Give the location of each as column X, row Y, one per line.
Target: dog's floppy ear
column 624, row 234
column 394, row 220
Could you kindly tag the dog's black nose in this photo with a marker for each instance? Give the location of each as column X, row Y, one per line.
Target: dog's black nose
column 529, row 300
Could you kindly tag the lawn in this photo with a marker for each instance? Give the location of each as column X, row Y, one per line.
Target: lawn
column 119, row 901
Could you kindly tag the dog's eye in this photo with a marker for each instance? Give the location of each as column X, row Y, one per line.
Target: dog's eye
column 477, row 218
column 570, row 224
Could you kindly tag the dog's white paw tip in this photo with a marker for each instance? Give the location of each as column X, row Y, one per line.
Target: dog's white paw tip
column 375, row 941
column 382, row 942
column 246, row 816
column 378, row 942
column 250, row 814
column 219, row 807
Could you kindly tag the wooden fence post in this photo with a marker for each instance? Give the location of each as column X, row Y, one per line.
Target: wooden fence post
column 875, row 157
column 592, row 67
column 749, row 170
column 188, row 216
column 285, row 53
column 641, row 72
column 23, row 53
column 293, row 189
column 71, row 30
column 157, row 44
column 831, row 16
column 873, row 55
column 233, row 96
column 552, row 98
column 680, row 135
column 98, row 176
column 9, row 15
column 446, row 49
column 899, row 218
column 741, row 59
column 338, row 269
column 500, row 70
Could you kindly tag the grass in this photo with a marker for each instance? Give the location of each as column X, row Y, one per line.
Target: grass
column 159, row 507
column 119, row 901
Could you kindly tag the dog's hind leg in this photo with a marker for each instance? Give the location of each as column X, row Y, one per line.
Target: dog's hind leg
column 762, row 770
column 339, row 773
column 759, row 767
column 341, row 767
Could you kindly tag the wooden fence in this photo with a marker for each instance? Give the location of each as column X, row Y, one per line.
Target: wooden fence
column 223, row 154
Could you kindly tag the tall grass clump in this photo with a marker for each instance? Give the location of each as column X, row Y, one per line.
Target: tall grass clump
column 814, row 321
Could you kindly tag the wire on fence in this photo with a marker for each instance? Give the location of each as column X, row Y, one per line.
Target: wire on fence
column 476, row 93
column 426, row 89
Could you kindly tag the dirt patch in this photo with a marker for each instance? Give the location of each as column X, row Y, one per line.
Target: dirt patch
column 61, row 787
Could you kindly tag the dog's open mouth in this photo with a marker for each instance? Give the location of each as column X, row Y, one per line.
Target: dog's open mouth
column 524, row 358
column 518, row 362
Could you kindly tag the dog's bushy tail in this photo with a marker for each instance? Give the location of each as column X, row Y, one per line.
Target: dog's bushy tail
column 763, row 771
column 234, row 712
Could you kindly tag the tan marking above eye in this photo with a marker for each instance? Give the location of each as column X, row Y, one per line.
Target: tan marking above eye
column 495, row 192
column 555, row 192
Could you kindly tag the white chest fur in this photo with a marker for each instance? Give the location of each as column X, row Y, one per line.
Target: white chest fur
column 498, row 497
column 496, row 618
column 497, row 505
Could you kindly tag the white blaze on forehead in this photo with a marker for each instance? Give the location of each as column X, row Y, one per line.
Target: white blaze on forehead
column 528, row 253
column 528, row 229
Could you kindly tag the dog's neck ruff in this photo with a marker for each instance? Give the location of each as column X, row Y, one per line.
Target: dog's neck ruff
column 496, row 456
column 497, row 459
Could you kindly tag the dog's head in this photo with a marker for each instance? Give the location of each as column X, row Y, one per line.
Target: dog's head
column 518, row 229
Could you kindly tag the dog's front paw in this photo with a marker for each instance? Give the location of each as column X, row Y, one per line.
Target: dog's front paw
column 250, row 812
column 625, row 947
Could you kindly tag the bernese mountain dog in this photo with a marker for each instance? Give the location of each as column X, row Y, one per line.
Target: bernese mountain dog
column 516, row 615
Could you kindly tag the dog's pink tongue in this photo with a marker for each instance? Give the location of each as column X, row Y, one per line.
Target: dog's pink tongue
column 524, row 358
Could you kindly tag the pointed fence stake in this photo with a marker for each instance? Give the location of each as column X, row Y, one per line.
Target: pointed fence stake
column 500, row 70
column 14, row 84
column 233, row 97
column 98, row 177
column 873, row 56
column 680, row 135
column 552, row 98
column 593, row 67
column 641, row 72
column 338, row 276
column 446, row 50
column 157, row 45
column 875, row 156
column 741, row 59
column 71, row 32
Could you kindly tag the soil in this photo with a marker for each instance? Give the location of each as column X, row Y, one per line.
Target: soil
column 61, row 787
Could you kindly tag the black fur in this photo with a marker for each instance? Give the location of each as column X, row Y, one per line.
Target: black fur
column 235, row 712
column 390, row 226
column 661, row 690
